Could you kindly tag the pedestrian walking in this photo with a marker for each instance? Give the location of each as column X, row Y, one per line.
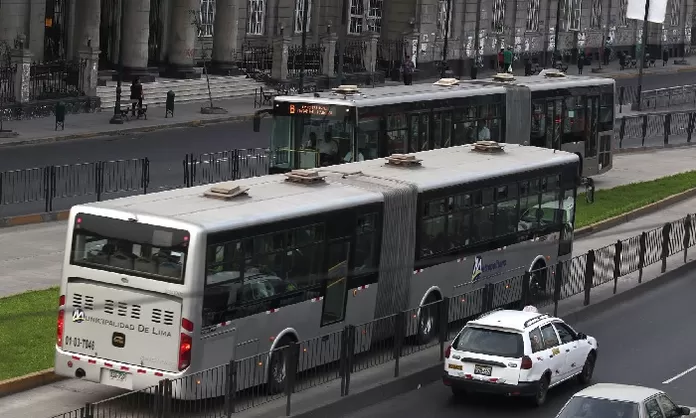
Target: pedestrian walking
column 665, row 57
column 507, row 60
column 408, row 68
column 136, row 95
column 501, row 61
column 581, row 63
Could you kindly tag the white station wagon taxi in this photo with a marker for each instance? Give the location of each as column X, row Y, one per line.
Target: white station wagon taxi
column 517, row 353
column 612, row 400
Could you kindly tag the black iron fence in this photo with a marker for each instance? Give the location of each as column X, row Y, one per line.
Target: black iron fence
column 242, row 384
column 55, row 80
column 654, row 130
column 657, row 99
column 7, row 83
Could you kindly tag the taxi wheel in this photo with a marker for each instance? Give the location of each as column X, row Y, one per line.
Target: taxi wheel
column 539, row 398
column 585, row 375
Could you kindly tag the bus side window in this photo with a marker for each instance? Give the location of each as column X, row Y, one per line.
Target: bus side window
column 223, row 280
column 366, row 245
column 507, row 209
column 484, row 215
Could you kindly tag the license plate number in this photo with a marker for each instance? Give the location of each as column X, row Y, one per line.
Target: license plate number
column 77, row 342
column 483, row 370
column 455, row 366
column 118, row 376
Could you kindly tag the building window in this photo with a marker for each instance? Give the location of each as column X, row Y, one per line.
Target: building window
column 206, row 17
column 299, row 14
column 533, row 7
column 444, row 18
column 596, row 15
column 571, row 13
column 623, row 5
column 365, row 15
column 498, row 19
column 256, row 16
column 674, row 12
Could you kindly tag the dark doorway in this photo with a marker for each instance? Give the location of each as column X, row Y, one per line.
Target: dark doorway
column 154, row 42
column 107, row 32
column 55, row 33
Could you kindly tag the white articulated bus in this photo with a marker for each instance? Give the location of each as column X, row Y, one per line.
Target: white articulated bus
column 168, row 284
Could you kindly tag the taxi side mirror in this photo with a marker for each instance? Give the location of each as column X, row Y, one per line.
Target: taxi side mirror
column 684, row 410
column 582, row 336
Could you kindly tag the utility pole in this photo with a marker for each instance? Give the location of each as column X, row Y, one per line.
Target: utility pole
column 641, row 64
column 555, row 35
column 305, row 12
column 342, row 41
column 116, row 119
column 443, row 70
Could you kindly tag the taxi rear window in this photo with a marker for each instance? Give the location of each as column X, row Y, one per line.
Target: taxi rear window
column 490, row 341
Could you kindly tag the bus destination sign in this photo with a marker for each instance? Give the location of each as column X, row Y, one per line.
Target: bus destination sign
column 310, row 109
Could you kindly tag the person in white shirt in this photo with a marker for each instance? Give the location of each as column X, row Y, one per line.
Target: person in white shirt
column 328, row 148
column 484, row 134
column 349, row 157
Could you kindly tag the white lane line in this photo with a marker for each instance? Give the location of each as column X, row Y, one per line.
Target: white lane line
column 682, row 374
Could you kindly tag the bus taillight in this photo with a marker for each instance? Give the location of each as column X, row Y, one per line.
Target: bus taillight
column 185, row 351
column 186, row 324
column 59, row 328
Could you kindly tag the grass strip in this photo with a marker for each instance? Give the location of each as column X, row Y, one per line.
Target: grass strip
column 620, row 200
column 27, row 332
column 28, row 320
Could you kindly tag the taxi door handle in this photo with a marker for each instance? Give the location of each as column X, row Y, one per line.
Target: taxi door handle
column 551, row 356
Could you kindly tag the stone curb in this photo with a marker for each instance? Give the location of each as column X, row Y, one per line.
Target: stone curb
column 407, row 383
column 27, row 382
column 636, row 213
column 140, row 129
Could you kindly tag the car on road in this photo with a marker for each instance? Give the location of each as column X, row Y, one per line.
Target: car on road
column 611, row 400
column 517, row 353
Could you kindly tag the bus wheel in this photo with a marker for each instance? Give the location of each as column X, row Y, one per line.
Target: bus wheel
column 537, row 282
column 427, row 320
column 278, row 368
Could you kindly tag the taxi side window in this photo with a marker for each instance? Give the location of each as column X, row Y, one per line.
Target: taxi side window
column 536, row 340
column 668, row 407
column 653, row 409
column 567, row 335
column 550, row 337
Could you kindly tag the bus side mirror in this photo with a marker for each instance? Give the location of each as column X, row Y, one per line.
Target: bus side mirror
column 257, row 123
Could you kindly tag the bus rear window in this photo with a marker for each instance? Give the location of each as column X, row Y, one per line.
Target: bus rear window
column 130, row 247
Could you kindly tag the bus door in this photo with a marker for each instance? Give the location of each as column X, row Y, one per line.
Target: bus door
column 554, row 123
column 592, row 132
column 334, row 308
column 419, row 131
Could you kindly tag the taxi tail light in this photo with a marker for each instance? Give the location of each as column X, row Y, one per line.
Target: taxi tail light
column 526, row 363
column 185, row 351
column 448, row 351
column 60, row 324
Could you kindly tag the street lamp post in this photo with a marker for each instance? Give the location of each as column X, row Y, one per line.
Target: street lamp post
column 116, row 119
column 641, row 64
column 556, row 31
column 443, row 70
column 477, row 41
column 305, row 12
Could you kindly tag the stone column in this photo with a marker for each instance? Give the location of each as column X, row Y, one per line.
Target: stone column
column 136, row 31
column 90, row 12
column 37, row 28
column 370, row 40
column 89, row 70
column 328, row 42
column 22, row 58
column 225, row 37
column 281, row 46
column 182, row 42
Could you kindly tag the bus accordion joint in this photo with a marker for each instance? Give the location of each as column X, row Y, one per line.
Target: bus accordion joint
column 403, row 160
column 226, row 191
column 487, row 146
column 304, row 177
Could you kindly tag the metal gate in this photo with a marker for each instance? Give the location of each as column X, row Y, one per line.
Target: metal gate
column 55, row 33
column 154, row 41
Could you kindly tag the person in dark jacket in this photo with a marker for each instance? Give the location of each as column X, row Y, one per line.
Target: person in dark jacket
column 408, row 69
column 136, row 93
column 665, row 57
column 581, row 63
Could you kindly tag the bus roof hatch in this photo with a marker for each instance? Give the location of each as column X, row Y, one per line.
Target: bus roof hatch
column 226, row 191
column 487, row 146
column 504, row 77
column 346, row 89
column 304, row 176
column 403, row 160
column 551, row 72
column 446, row 82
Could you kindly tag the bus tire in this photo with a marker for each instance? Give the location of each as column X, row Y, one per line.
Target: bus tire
column 427, row 319
column 538, row 281
column 580, row 166
column 278, row 367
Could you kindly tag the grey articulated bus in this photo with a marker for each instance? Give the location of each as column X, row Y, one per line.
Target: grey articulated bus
column 168, row 284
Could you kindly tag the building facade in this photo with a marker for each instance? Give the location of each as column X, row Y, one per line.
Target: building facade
column 171, row 37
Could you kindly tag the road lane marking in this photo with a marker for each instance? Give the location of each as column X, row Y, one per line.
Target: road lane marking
column 682, row 374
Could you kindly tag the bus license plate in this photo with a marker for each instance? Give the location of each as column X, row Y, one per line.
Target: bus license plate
column 117, row 376
column 483, row 370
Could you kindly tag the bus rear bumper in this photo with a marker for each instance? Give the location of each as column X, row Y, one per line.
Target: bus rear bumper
column 121, row 375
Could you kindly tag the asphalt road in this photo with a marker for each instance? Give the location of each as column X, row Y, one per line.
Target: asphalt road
column 166, row 151
column 642, row 341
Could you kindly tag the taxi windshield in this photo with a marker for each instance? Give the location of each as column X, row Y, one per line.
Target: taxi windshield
column 581, row 407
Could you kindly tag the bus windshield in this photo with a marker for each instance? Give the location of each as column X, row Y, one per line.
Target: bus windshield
column 306, row 135
column 129, row 247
